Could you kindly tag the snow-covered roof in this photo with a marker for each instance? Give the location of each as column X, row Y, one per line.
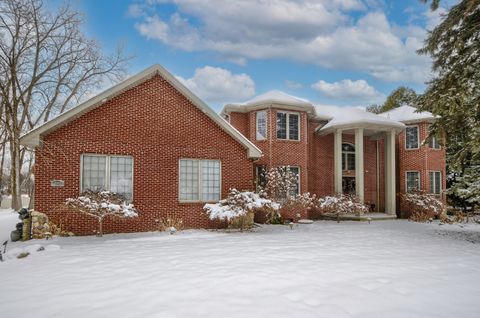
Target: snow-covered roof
column 34, row 136
column 408, row 114
column 353, row 117
column 337, row 117
column 274, row 97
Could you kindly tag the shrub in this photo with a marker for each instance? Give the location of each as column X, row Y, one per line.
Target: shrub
column 297, row 206
column 100, row 204
column 342, row 204
column 421, row 205
column 170, row 223
column 239, row 207
column 280, row 183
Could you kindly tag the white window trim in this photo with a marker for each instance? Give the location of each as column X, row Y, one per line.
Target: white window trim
column 288, row 125
column 418, row 137
column 441, row 184
column 199, row 181
column 266, row 125
column 107, row 169
column 419, row 180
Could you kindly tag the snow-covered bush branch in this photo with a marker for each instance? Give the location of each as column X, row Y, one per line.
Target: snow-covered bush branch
column 281, row 183
column 342, row 204
column 421, row 205
column 239, row 207
column 100, row 204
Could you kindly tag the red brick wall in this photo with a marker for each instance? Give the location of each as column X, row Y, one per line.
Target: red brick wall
column 423, row 159
column 241, row 122
column 277, row 152
column 156, row 125
column 314, row 154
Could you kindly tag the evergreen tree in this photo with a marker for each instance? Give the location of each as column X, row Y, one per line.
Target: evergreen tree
column 454, row 92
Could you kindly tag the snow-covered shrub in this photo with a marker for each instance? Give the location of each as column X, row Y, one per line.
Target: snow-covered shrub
column 421, row 206
column 466, row 187
column 169, row 223
column 298, row 205
column 280, row 183
column 238, row 208
column 100, row 204
column 342, row 204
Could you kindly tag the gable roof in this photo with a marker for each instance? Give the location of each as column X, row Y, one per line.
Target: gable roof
column 33, row 137
column 408, row 114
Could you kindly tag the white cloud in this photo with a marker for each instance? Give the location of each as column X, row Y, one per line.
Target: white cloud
column 218, row 85
column 347, row 89
column 293, row 84
column 135, row 10
column 315, row 32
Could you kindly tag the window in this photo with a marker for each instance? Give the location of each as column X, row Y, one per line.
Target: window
column 261, row 125
column 288, row 126
column 435, row 182
column 199, row 180
column 433, row 143
column 296, row 187
column 411, row 137
column 413, row 181
column 111, row 173
column 348, row 157
column 260, row 177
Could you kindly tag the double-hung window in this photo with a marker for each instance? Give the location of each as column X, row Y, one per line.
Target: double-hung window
column 433, row 143
column 199, row 180
column 261, row 122
column 288, row 126
column 435, row 182
column 413, row 181
column 294, row 188
column 411, row 137
column 348, row 157
column 110, row 173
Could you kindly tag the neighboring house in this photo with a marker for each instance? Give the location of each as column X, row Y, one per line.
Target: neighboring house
column 154, row 141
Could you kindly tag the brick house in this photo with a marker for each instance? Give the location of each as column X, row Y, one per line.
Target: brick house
column 154, row 141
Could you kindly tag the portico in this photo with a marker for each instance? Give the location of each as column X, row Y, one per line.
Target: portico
column 360, row 131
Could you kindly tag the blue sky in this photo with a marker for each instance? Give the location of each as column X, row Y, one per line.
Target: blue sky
column 352, row 52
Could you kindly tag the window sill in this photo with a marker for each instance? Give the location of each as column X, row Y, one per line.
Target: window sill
column 288, row 140
column 195, row 202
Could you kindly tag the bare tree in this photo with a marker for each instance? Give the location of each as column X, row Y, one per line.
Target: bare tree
column 46, row 65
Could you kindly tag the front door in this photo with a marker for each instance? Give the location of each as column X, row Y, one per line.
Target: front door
column 348, row 185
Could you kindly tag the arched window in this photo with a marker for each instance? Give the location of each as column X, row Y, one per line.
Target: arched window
column 348, row 157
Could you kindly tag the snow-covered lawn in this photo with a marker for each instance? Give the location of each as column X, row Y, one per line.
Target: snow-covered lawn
column 352, row 269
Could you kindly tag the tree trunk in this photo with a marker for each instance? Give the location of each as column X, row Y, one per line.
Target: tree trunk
column 1, row 172
column 31, row 203
column 100, row 227
column 15, row 174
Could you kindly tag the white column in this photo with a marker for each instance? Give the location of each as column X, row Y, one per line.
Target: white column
column 337, row 160
column 390, row 192
column 359, row 169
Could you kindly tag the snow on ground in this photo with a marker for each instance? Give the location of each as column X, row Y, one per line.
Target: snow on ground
column 8, row 220
column 352, row 269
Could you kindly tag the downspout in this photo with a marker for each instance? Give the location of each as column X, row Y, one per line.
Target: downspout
column 377, row 206
column 271, row 131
